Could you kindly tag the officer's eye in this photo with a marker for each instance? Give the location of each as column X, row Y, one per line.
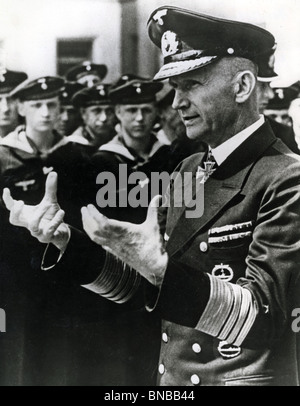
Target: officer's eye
column 173, row 84
column 189, row 85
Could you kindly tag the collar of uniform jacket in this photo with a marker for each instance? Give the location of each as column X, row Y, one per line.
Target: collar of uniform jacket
column 117, row 146
column 17, row 139
column 221, row 152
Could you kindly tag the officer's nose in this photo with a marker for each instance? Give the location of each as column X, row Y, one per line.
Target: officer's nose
column 180, row 101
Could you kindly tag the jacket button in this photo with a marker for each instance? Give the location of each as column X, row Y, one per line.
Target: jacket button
column 195, row 379
column 161, row 368
column 196, row 348
column 203, row 246
column 164, row 337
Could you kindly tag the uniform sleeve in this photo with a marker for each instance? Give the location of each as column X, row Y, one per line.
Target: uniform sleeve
column 258, row 306
column 90, row 266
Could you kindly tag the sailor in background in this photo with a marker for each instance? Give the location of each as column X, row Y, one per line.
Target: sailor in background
column 9, row 117
column 87, row 73
column 135, row 145
column 69, row 118
column 36, row 349
column 278, row 107
column 270, row 99
column 98, row 116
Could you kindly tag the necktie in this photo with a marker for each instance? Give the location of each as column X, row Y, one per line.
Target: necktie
column 209, row 166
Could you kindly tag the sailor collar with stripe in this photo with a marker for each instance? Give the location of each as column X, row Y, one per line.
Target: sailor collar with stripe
column 78, row 137
column 118, row 146
column 82, row 135
column 18, row 140
column 222, row 152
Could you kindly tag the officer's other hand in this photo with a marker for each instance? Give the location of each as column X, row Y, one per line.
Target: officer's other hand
column 45, row 220
column 138, row 245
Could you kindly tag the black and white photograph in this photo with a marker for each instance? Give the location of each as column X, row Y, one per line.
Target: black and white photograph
column 149, row 195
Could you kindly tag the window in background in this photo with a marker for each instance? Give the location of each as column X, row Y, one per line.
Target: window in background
column 71, row 52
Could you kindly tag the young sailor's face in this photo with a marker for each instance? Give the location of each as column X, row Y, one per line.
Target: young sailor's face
column 137, row 119
column 40, row 115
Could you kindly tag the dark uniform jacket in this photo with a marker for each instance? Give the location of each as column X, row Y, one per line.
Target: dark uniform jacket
column 229, row 289
column 248, row 236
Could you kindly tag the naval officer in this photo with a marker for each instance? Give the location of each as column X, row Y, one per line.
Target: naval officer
column 223, row 282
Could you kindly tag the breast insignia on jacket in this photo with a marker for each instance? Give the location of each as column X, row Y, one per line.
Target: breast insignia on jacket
column 231, row 227
column 231, row 237
column 231, row 232
column 223, row 272
column 228, row 350
column 25, row 184
column 166, row 237
column 47, row 170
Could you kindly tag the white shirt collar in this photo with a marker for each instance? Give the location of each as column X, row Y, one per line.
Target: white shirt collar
column 222, row 151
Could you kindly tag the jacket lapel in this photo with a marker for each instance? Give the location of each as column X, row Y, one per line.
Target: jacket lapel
column 222, row 186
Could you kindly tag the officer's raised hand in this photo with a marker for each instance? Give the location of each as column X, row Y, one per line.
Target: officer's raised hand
column 138, row 245
column 45, row 220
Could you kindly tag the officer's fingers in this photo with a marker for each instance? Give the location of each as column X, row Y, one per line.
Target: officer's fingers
column 101, row 222
column 88, row 221
column 109, row 227
column 35, row 222
column 15, row 212
column 152, row 213
column 51, row 188
column 96, row 215
column 53, row 225
column 8, row 200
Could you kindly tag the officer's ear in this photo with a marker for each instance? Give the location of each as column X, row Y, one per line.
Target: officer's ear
column 21, row 108
column 244, row 85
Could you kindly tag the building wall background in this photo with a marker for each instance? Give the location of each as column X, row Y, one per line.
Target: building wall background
column 29, row 30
